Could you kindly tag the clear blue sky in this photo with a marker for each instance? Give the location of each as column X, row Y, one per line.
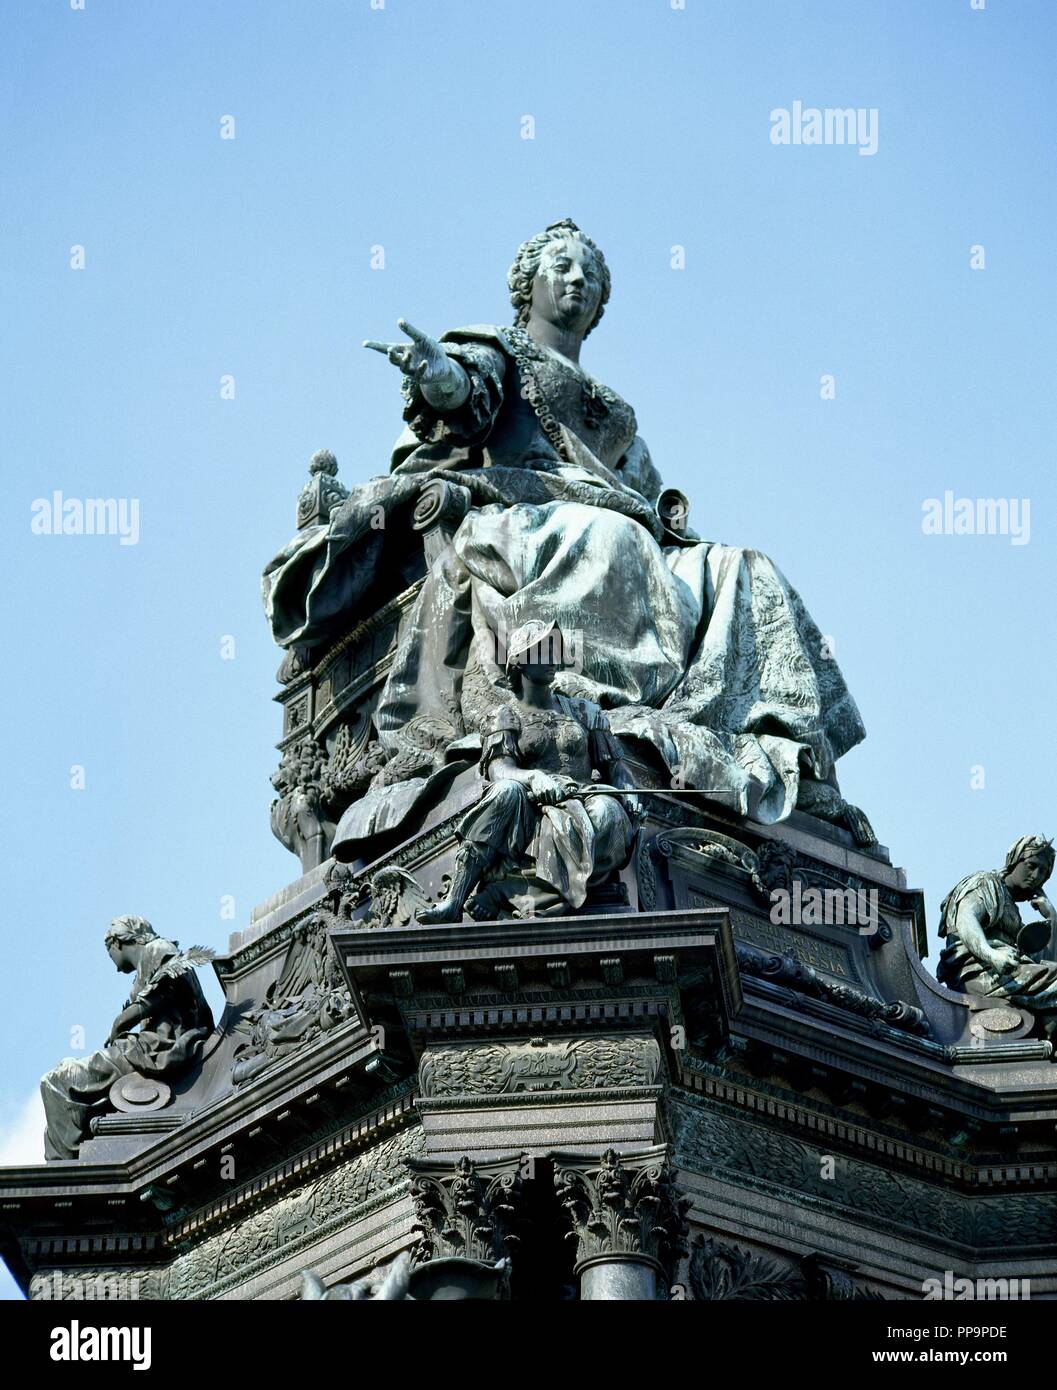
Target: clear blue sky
column 402, row 127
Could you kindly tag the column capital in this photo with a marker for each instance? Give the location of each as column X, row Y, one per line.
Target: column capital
column 623, row 1207
column 466, row 1209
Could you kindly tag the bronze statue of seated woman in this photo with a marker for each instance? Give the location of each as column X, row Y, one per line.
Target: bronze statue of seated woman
column 989, row 949
column 158, row 1034
column 550, row 824
column 704, row 656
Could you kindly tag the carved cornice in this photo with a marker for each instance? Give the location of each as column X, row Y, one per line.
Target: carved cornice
column 715, row 1141
column 816, row 1034
column 438, row 1104
column 326, row 1153
column 262, row 1239
column 847, row 1132
column 80, row 1247
column 294, row 1105
column 161, row 1122
column 472, row 962
column 240, row 1239
column 801, row 979
column 101, row 1283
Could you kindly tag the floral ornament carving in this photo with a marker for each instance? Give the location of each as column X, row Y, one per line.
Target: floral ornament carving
column 623, row 1205
column 540, row 1064
column 720, row 1273
column 465, row 1211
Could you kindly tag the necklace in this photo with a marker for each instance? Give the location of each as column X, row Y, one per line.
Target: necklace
column 596, row 400
column 527, row 355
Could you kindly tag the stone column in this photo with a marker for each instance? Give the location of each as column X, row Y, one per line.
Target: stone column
column 629, row 1222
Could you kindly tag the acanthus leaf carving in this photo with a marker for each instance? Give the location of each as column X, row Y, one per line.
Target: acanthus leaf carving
column 623, row 1205
column 466, row 1211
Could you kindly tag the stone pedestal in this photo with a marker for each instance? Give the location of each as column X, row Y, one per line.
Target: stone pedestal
column 549, row 1100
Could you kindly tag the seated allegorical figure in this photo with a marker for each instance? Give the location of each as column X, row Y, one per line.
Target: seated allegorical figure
column 989, row 949
column 702, row 654
column 168, row 1008
column 549, row 803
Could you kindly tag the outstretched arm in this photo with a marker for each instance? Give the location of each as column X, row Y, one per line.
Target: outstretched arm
column 442, row 381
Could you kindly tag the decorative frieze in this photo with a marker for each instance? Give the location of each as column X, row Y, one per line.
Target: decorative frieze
column 541, row 1064
column 100, row 1284
column 302, row 1217
column 710, row 1140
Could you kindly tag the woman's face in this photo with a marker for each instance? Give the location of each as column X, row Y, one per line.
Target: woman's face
column 539, row 673
column 118, row 954
column 567, row 289
column 1030, row 874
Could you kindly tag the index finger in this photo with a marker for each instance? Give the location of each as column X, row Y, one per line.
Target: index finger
column 412, row 332
column 376, row 346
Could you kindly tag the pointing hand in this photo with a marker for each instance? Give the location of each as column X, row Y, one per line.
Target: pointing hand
column 441, row 379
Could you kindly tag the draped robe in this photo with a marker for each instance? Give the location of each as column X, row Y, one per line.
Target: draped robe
column 702, row 654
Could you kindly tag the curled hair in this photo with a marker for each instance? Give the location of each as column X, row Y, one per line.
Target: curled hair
column 125, row 931
column 527, row 262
